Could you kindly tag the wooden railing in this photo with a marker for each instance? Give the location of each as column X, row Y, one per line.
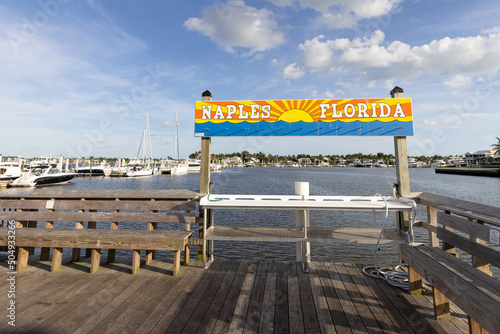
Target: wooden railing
column 472, row 228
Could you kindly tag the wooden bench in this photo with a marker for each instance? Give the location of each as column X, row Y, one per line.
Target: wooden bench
column 471, row 288
column 110, row 208
column 97, row 239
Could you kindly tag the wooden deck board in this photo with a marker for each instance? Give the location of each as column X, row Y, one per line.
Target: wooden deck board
column 228, row 297
column 227, row 311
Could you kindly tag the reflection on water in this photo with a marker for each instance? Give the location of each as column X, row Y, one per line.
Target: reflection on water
column 323, row 181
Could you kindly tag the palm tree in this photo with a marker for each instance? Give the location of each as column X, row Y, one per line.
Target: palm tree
column 496, row 147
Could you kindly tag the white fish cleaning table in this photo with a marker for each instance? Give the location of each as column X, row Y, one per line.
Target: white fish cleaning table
column 303, row 233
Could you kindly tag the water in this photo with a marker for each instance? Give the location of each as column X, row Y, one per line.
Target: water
column 323, row 181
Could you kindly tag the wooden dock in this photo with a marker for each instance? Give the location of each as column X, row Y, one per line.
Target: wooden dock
column 228, row 297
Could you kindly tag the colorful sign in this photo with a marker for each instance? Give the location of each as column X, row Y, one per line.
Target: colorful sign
column 348, row 117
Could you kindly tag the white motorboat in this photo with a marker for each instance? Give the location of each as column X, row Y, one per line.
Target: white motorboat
column 91, row 169
column 179, row 169
column 134, row 170
column 193, row 165
column 42, row 176
column 380, row 164
column 10, row 170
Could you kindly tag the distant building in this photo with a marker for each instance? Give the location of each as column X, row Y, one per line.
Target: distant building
column 304, row 161
column 484, row 158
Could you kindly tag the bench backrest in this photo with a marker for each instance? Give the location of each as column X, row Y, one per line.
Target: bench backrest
column 478, row 232
column 125, row 207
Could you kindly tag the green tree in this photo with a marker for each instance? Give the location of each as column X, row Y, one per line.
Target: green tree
column 496, row 147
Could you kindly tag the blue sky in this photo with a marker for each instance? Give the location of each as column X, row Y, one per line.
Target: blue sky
column 77, row 77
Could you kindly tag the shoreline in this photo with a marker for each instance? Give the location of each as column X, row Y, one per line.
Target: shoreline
column 469, row 171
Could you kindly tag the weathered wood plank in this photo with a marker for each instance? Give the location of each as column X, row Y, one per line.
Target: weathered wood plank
column 266, row 323
column 206, row 305
column 207, row 324
column 206, row 288
column 167, row 308
column 238, row 321
column 370, row 299
column 125, row 301
column 463, row 270
column 120, row 217
column 335, row 309
column 389, row 300
column 99, row 204
column 93, row 238
column 309, row 311
column 42, row 315
column 294, row 303
column 158, row 300
column 357, row 300
column 355, row 322
column 483, row 252
column 466, row 226
column 255, row 306
column 135, row 194
column 281, row 317
column 227, row 311
column 320, row 303
column 486, row 213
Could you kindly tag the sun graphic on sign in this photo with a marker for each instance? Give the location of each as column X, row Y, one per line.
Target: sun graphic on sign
column 292, row 111
column 295, row 115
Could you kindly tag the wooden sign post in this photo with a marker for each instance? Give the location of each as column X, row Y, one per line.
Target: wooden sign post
column 402, row 173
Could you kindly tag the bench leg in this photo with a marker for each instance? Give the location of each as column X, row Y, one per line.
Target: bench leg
column 88, row 251
column 475, row 328
column 95, row 260
column 149, row 256
column 56, row 259
column 415, row 282
column 186, row 255
column 75, row 257
column 112, row 252
column 136, row 261
column 441, row 306
column 111, row 255
column 177, row 263
column 22, row 257
column 45, row 251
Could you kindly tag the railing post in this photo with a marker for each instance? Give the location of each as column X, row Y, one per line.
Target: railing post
column 204, row 169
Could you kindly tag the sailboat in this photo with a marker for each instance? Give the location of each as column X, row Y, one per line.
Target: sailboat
column 138, row 167
column 181, row 167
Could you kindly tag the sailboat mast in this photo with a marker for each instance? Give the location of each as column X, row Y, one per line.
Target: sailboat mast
column 176, row 142
column 149, row 137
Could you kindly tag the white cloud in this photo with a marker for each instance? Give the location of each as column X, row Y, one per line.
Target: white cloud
column 293, row 72
column 373, row 58
column 344, row 13
column 458, row 81
column 317, row 55
column 236, row 25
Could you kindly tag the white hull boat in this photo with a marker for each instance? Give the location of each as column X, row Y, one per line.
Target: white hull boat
column 42, row 176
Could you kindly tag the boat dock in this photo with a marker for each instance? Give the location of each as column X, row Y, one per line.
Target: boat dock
column 228, row 297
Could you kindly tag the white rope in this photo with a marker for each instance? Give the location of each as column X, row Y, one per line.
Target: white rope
column 394, row 275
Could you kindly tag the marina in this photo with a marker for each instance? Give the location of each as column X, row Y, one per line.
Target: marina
column 424, row 285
